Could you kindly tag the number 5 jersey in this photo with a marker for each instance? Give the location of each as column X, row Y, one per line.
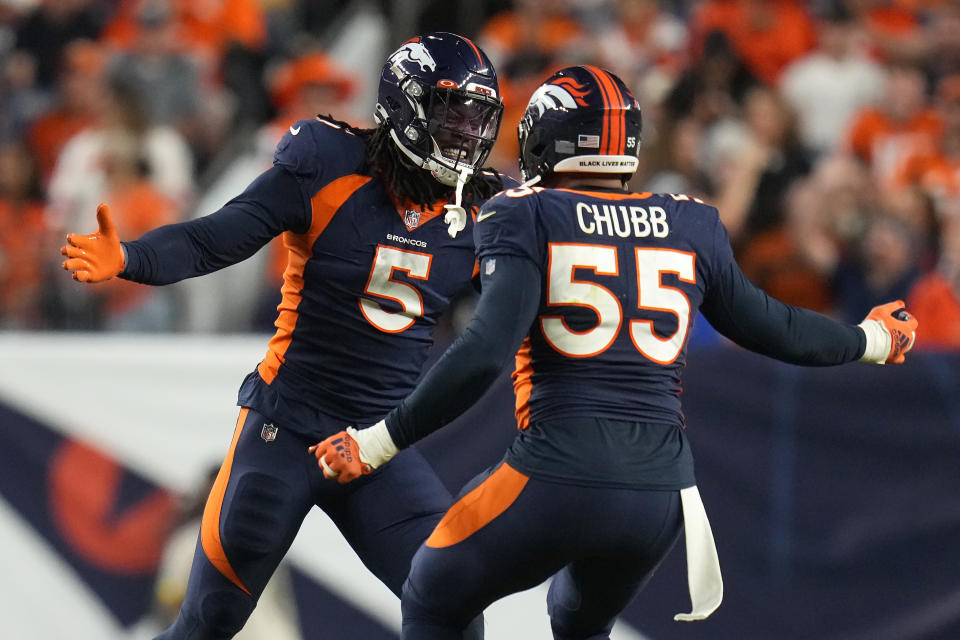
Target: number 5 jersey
column 366, row 282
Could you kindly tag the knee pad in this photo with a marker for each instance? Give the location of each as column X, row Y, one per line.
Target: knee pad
column 566, row 626
column 222, row 614
column 566, row 617
column 257, row 519
column 416, row 607
column 217, row 616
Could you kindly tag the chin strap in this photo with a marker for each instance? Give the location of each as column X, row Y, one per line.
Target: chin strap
column 532, row 181
column 456, row 216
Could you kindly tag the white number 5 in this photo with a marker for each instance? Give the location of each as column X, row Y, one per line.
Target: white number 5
column 651, row 264
column 381, row 283
column 562, row 289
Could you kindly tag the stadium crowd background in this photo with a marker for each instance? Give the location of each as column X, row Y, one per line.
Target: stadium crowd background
column 826, row 132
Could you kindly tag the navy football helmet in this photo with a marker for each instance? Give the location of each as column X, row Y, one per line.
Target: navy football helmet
column 440, row 100
column 582, row 119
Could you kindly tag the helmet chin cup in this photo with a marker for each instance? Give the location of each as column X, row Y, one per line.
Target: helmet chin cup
column 442, row 172
column 445, row 175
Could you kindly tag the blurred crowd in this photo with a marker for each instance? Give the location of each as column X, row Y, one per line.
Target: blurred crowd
column 827, row 132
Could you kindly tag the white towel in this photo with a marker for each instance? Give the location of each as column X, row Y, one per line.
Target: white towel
column 703, row 565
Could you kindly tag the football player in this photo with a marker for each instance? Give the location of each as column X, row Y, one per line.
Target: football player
column 594, row 289
column 372, row 220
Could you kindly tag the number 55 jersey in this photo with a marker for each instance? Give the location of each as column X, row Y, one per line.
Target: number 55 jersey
column 623, row 276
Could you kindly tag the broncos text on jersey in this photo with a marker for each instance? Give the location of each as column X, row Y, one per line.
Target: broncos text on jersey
column 364, row 287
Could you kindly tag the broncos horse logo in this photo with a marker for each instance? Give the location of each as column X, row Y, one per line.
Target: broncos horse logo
column 562, row 93
column 413, row 51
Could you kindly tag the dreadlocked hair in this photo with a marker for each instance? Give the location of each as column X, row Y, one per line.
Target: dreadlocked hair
column 410, row 183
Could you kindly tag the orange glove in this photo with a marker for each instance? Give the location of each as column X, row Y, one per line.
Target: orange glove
column 891, row 332
column 339, row 457
column 95, row 257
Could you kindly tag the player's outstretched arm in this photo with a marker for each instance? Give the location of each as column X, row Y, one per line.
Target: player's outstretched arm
column 747, row 315
column 507, row 307
column 273, row 203
column 97, row 256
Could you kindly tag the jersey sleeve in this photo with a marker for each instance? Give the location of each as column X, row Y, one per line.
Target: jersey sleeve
column 508, row 225
column 505, row 311
column 272, row 204
column 317, row 152
column 509, row 182
column 744, row 313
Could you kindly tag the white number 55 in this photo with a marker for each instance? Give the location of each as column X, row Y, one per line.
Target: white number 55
column 651, row 264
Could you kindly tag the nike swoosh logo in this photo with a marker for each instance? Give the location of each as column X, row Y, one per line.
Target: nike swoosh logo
column 483, row 216
column 294, row 131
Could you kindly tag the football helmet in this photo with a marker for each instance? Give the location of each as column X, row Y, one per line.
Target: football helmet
column 440, row 100
column 582, row 119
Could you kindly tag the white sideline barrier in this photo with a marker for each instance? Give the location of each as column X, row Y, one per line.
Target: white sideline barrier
column 164, row 405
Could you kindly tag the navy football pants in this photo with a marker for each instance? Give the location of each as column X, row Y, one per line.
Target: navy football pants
column 262, row 494
column 511, row 532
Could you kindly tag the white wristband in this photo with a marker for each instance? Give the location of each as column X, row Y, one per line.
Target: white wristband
column 878, row 342
column 375, row 444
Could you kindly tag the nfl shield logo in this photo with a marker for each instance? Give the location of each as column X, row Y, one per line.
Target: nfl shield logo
column 412, row 219
column 268, row 433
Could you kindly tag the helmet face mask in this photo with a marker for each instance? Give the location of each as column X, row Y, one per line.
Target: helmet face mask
column 583, row 120
column 440, row 100
column 462, row 128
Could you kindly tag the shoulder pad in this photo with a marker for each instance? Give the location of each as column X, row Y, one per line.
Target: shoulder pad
column 509, row 182
column 317, row 149
column 509, row 200
column 520, row 191
column 690, row 205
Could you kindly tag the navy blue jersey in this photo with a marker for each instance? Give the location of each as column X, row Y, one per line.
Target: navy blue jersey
column 367, row 279
column 623, row 276
column 363, row 290
column 599, row 289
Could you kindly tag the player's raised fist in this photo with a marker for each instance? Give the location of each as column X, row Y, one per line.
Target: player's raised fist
column 891, row 332
column 339, row 457
column 97, row 256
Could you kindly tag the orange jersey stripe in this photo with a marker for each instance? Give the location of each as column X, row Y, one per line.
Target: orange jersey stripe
column 523, row 384
column 426, row 215
column 478, row 508
column 325, row 204
column 210, row 526
column 476, row 263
